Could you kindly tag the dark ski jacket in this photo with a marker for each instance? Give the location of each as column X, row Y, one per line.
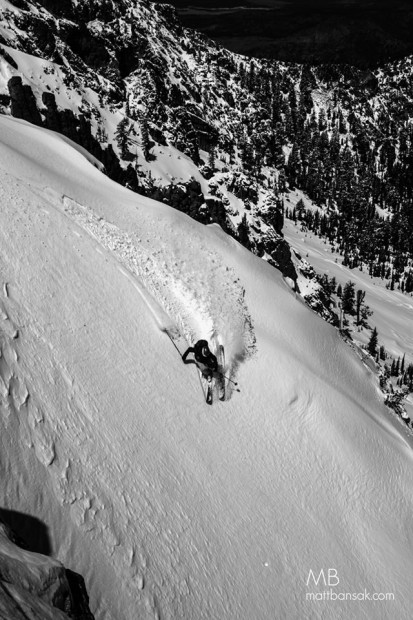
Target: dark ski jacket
column 204, row 356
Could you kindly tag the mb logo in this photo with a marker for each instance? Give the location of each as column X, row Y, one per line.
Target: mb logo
column 327, row 578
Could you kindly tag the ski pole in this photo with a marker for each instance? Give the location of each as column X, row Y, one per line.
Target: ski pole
column 234, row 382
column 226, row 377
column 174, row 343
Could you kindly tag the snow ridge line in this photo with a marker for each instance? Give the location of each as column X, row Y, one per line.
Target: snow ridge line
column 193, row 285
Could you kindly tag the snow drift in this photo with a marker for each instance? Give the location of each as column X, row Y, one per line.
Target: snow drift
column 167, row 507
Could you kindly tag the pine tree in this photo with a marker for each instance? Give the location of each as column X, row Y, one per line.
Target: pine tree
column 211, row 159
column 121, row 137
column 372, row 345
column 348, row 298
column 359, row 300
column 294, row 165
column 408, row 287
column 243, row 230
column 282, row 184
column 145, row 137
column 364, row 315
column 397, row 367
column 300, row 209
column 101, row 134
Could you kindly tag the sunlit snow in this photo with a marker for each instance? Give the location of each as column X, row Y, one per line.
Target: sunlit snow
column 168, row 507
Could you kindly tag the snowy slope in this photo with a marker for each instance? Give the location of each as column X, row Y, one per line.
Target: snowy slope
column 170, row 508
column 392, row 310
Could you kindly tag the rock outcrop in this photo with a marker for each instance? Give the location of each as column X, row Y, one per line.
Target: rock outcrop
column 36, row 586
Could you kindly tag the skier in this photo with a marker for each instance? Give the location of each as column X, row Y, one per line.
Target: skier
column 204, row 359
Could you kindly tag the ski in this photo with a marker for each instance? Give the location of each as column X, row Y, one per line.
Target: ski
column 221, row 367
column 206, row 388
column 209, row 397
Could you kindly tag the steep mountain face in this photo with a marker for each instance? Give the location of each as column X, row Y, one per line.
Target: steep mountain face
column 220, row 137
column 128, row 74
column 170, row 508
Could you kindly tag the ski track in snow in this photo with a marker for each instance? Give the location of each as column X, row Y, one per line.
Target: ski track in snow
column 185, row 300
